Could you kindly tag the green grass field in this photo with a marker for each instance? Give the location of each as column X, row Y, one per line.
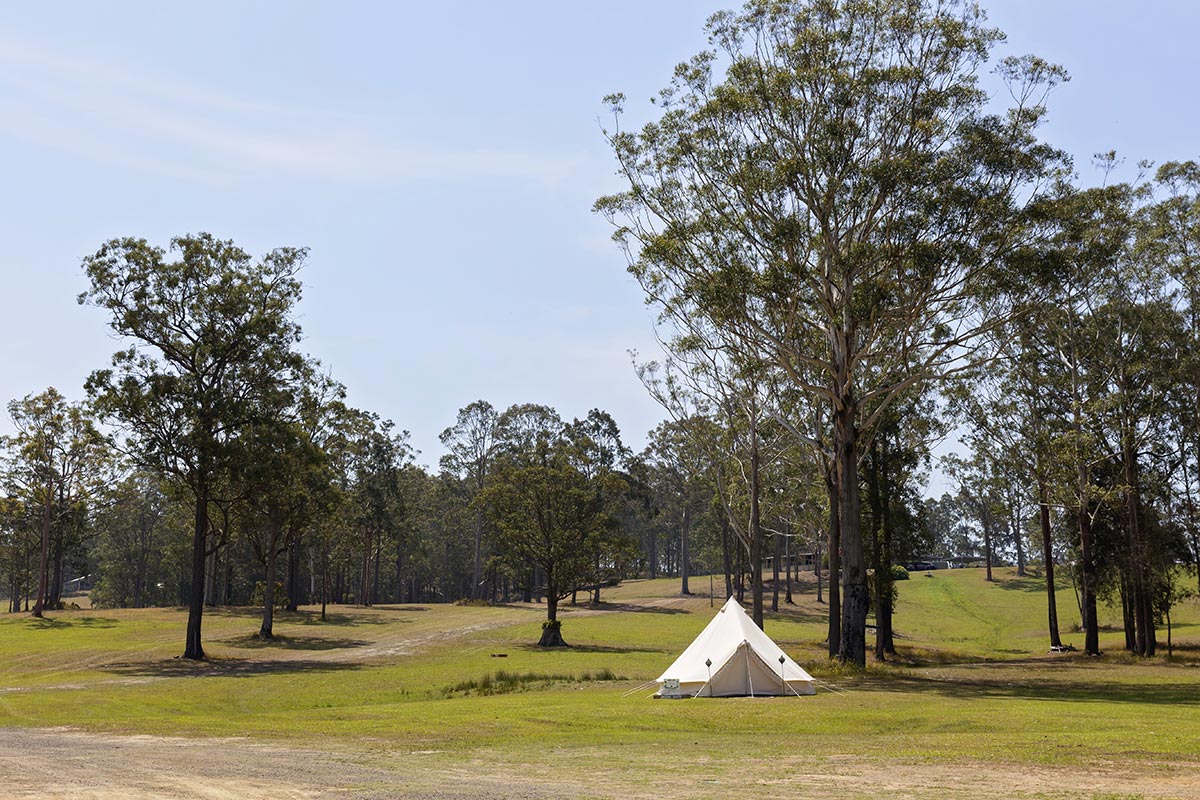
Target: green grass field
column 973, row 688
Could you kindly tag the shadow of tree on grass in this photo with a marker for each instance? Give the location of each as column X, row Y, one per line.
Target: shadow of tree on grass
column 632, row 607
column 600, row 648
column 61, row 623
column 1080, row 679
column 1183, row 693
column 280, row 642
column 224, row 667
column 1030, row 583
column 310, row 617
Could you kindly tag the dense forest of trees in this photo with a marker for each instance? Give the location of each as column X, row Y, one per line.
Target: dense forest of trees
column 856, row 257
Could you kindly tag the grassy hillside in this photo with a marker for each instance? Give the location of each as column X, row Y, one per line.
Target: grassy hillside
column 973, row 684
column 958, row 611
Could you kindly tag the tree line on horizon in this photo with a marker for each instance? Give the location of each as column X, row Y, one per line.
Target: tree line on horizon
column 854, row 256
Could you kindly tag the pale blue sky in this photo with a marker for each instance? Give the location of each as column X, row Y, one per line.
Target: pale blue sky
column 440, row 160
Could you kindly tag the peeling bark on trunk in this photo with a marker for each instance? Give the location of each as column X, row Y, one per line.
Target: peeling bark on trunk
column 855, row 595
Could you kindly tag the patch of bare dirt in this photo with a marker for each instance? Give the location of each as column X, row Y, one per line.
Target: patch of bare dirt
column 854, row 777
column 58, row 763
column 401, row 642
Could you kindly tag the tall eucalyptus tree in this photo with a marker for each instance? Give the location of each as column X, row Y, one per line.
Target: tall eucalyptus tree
column 1170, row 239
column 211, row 336
column 838, row 195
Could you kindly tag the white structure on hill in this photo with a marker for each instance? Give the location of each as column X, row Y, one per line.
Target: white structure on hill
column 732, row 657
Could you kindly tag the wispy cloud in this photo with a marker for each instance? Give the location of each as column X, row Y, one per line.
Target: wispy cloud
column 115, row 116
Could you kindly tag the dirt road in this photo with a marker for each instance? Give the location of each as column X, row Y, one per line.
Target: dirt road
column 59, row 763
column 56, row 763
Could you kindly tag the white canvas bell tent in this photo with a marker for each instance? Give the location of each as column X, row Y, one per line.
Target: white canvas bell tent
column 732, row 657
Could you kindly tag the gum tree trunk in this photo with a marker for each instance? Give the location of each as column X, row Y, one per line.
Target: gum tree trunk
column 987, row 537
column 552, row 628
column 267, row 630
column 855, row 594
column 324, row 578
column 684, row 535
column 1048, row 557
column 726, row 562
column 835, row 565
column 876, row 505
column 774, row 575
column 193, row 648
column 788, row 566
column 477, row 572
column 756, row 533
column 817, row 573
column 1143, row 606
column 44, row 560
column 1015, row 524
column 55, row 586
column 293, row 572
column 1091, row 639
column 881, row 527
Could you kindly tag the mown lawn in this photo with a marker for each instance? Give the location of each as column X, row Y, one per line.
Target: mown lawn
column 973, row 684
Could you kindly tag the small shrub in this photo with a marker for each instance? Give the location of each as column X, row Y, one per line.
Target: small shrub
column 899, row 573
column 505, row 682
